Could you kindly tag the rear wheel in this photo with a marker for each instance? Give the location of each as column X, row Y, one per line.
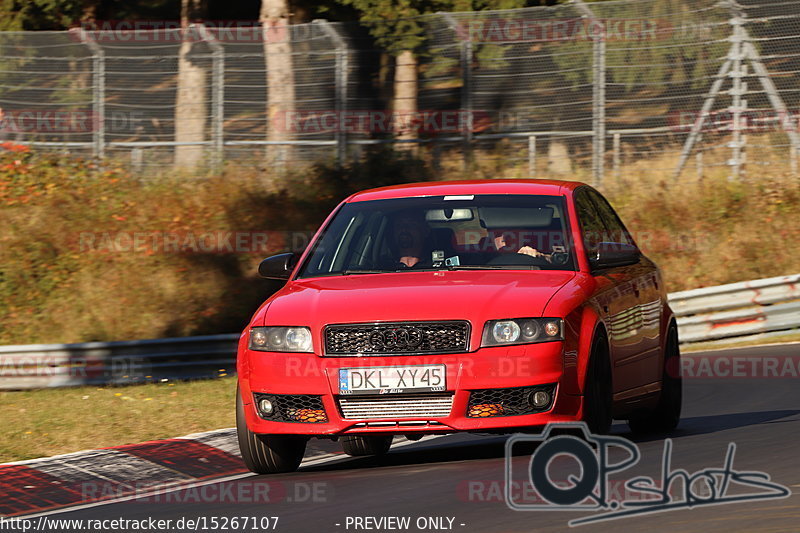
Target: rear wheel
column 598, row 390
column 267, row 454
column 357, row 445
column 667, row 414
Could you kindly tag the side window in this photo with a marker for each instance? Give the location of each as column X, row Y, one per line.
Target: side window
column 616, row 229
column 592, row 228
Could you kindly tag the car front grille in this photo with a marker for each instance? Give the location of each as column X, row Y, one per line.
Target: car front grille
column 513, row 401
column 421, row 406
column 397, row 338
column 303, row 408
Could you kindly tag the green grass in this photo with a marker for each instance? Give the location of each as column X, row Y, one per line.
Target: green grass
column 41, row 423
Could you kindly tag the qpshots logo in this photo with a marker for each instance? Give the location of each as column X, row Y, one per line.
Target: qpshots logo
column 591, row 490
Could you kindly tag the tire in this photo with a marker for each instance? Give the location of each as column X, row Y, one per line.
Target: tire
column 667, row 413
column 358, row 445
column 267, row 454
column 598, row 391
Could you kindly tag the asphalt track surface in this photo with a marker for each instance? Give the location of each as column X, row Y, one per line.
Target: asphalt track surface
column 461, row 476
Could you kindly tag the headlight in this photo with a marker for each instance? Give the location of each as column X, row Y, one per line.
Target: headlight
column 281, row 339
column 522, row 331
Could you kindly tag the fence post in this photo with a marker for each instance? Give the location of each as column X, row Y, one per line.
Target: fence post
column 737, row 73
column 341, row 77
column 217, row 95
column 136, row 159
column 465, row 60
column 698, row 157
column 616, row 148
column 466, row 100
column 598, row 96
column 98, row 95
column 341, row 103
column 532, row 156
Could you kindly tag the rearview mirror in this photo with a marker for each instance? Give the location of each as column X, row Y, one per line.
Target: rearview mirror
column 614, row 254
column 448, row 215
column 277, row 266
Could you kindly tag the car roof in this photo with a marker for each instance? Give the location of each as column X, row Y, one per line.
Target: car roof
column 453, row 188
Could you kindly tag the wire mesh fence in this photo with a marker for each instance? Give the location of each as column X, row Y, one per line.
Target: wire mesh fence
column 579, row 89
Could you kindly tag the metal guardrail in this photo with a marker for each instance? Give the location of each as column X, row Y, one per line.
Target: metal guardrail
column 63, row 365
column 726, row 312
column 738, row 310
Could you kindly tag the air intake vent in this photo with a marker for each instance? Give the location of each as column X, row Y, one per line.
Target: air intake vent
column 417, row 406
column 399, row 338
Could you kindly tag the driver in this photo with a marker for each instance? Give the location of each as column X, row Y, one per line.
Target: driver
column 411, row 233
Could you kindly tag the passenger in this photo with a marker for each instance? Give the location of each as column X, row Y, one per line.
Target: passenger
column 500, row 243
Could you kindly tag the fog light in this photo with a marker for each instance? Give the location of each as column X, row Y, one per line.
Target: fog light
column 539, row 399
column 265, row 406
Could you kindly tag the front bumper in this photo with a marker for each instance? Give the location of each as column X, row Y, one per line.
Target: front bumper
column 487, row 368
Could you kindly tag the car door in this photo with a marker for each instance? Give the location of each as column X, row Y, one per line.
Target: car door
column 614, row 298
column 645, row 282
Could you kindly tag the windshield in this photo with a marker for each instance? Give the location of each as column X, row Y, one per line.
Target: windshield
column 444, row 233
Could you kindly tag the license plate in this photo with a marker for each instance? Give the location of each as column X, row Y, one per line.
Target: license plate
column 392, row 379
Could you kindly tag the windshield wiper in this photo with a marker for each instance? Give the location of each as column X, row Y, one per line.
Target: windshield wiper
column 490, row 267
column 362, row 271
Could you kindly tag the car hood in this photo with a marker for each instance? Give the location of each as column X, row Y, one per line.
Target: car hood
column 476, row 296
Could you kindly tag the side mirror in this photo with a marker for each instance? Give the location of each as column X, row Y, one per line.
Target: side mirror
column 277, row 266
column 614, row 254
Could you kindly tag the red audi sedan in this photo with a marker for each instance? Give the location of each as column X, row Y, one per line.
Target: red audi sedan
column 482, row 306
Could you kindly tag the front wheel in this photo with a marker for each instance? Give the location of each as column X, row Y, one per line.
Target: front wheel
column 667, row 414
column 358, row 445
column 598, row 392
column 267, row 454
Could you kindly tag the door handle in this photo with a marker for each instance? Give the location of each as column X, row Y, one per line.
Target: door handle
column 636, row 291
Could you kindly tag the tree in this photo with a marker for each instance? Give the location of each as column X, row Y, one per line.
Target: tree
column 274, row 18
column 397, row 27
column 190, row 101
